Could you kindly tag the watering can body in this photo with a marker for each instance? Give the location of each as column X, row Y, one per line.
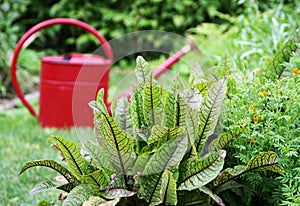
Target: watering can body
column 67, row 85
column 65, row 92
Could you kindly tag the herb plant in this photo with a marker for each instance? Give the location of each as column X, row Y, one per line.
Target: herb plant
column 159, row 148
column 266, row 105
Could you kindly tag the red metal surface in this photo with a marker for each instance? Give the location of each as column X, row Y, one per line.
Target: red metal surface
column 58, row 76
column 62, row 81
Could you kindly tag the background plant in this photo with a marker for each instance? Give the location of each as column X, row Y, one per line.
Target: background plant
column 250, row 38
column 115, row 18
column 9, row 13
column 267, row 109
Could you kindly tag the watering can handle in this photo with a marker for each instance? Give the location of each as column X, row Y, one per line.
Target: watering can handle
column 106, row 48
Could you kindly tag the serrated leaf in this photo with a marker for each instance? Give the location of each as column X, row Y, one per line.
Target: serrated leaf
column 161, row 133
column 194, row 197
column 51, row 164
column 191, row 124
column 117, row 143
column 195, row 173
column 142, row 70
column 275, row 67
column 71, row 152
column 170, row 110
column 168, row 155
column 193, row 98
column 43, row 186
column 224, row 67
column 69, row 186
column 210, row 111
column 97, row 179
column 136, row 107
column 118, row 192
column 78, row 195
column 94, row 201
column 151, row 188
column 141, row 162
column 152, row 105
column 97, row 154
column 215, row 197
column 101, row 105
column 168, row 190
column 220, row 142
column 263, row 161
column 122, row 115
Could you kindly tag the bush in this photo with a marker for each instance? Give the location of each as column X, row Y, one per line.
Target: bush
column 9, row 13
column 116, row 18
column 268, row 111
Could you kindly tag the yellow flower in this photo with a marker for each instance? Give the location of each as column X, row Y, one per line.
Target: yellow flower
column 296, row 71
column 245, row 62
column 251, row 107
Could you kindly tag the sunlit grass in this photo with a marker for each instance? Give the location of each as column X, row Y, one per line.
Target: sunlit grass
column 22, row 140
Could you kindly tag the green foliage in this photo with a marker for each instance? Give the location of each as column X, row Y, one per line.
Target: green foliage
column 115, row 18
column 9, row 13
column 156, row 165
column 264, row 115
column 195, row 173
column 118, row 17
column 258, row 162
column 257, row 35
column 275, row 68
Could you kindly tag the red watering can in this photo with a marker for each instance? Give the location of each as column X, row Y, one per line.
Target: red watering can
column 59, row 78
column 69, row 83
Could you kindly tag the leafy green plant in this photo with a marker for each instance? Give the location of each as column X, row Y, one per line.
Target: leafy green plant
column 275, row 67
column 158, row 149
column 266, row 107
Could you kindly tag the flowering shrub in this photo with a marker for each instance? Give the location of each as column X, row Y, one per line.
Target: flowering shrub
column 268, row 112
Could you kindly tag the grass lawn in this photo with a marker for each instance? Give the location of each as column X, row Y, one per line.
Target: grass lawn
column 22, row 140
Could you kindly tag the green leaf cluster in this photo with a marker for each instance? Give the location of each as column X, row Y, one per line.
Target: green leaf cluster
column 155, row 149
column 264, row 115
